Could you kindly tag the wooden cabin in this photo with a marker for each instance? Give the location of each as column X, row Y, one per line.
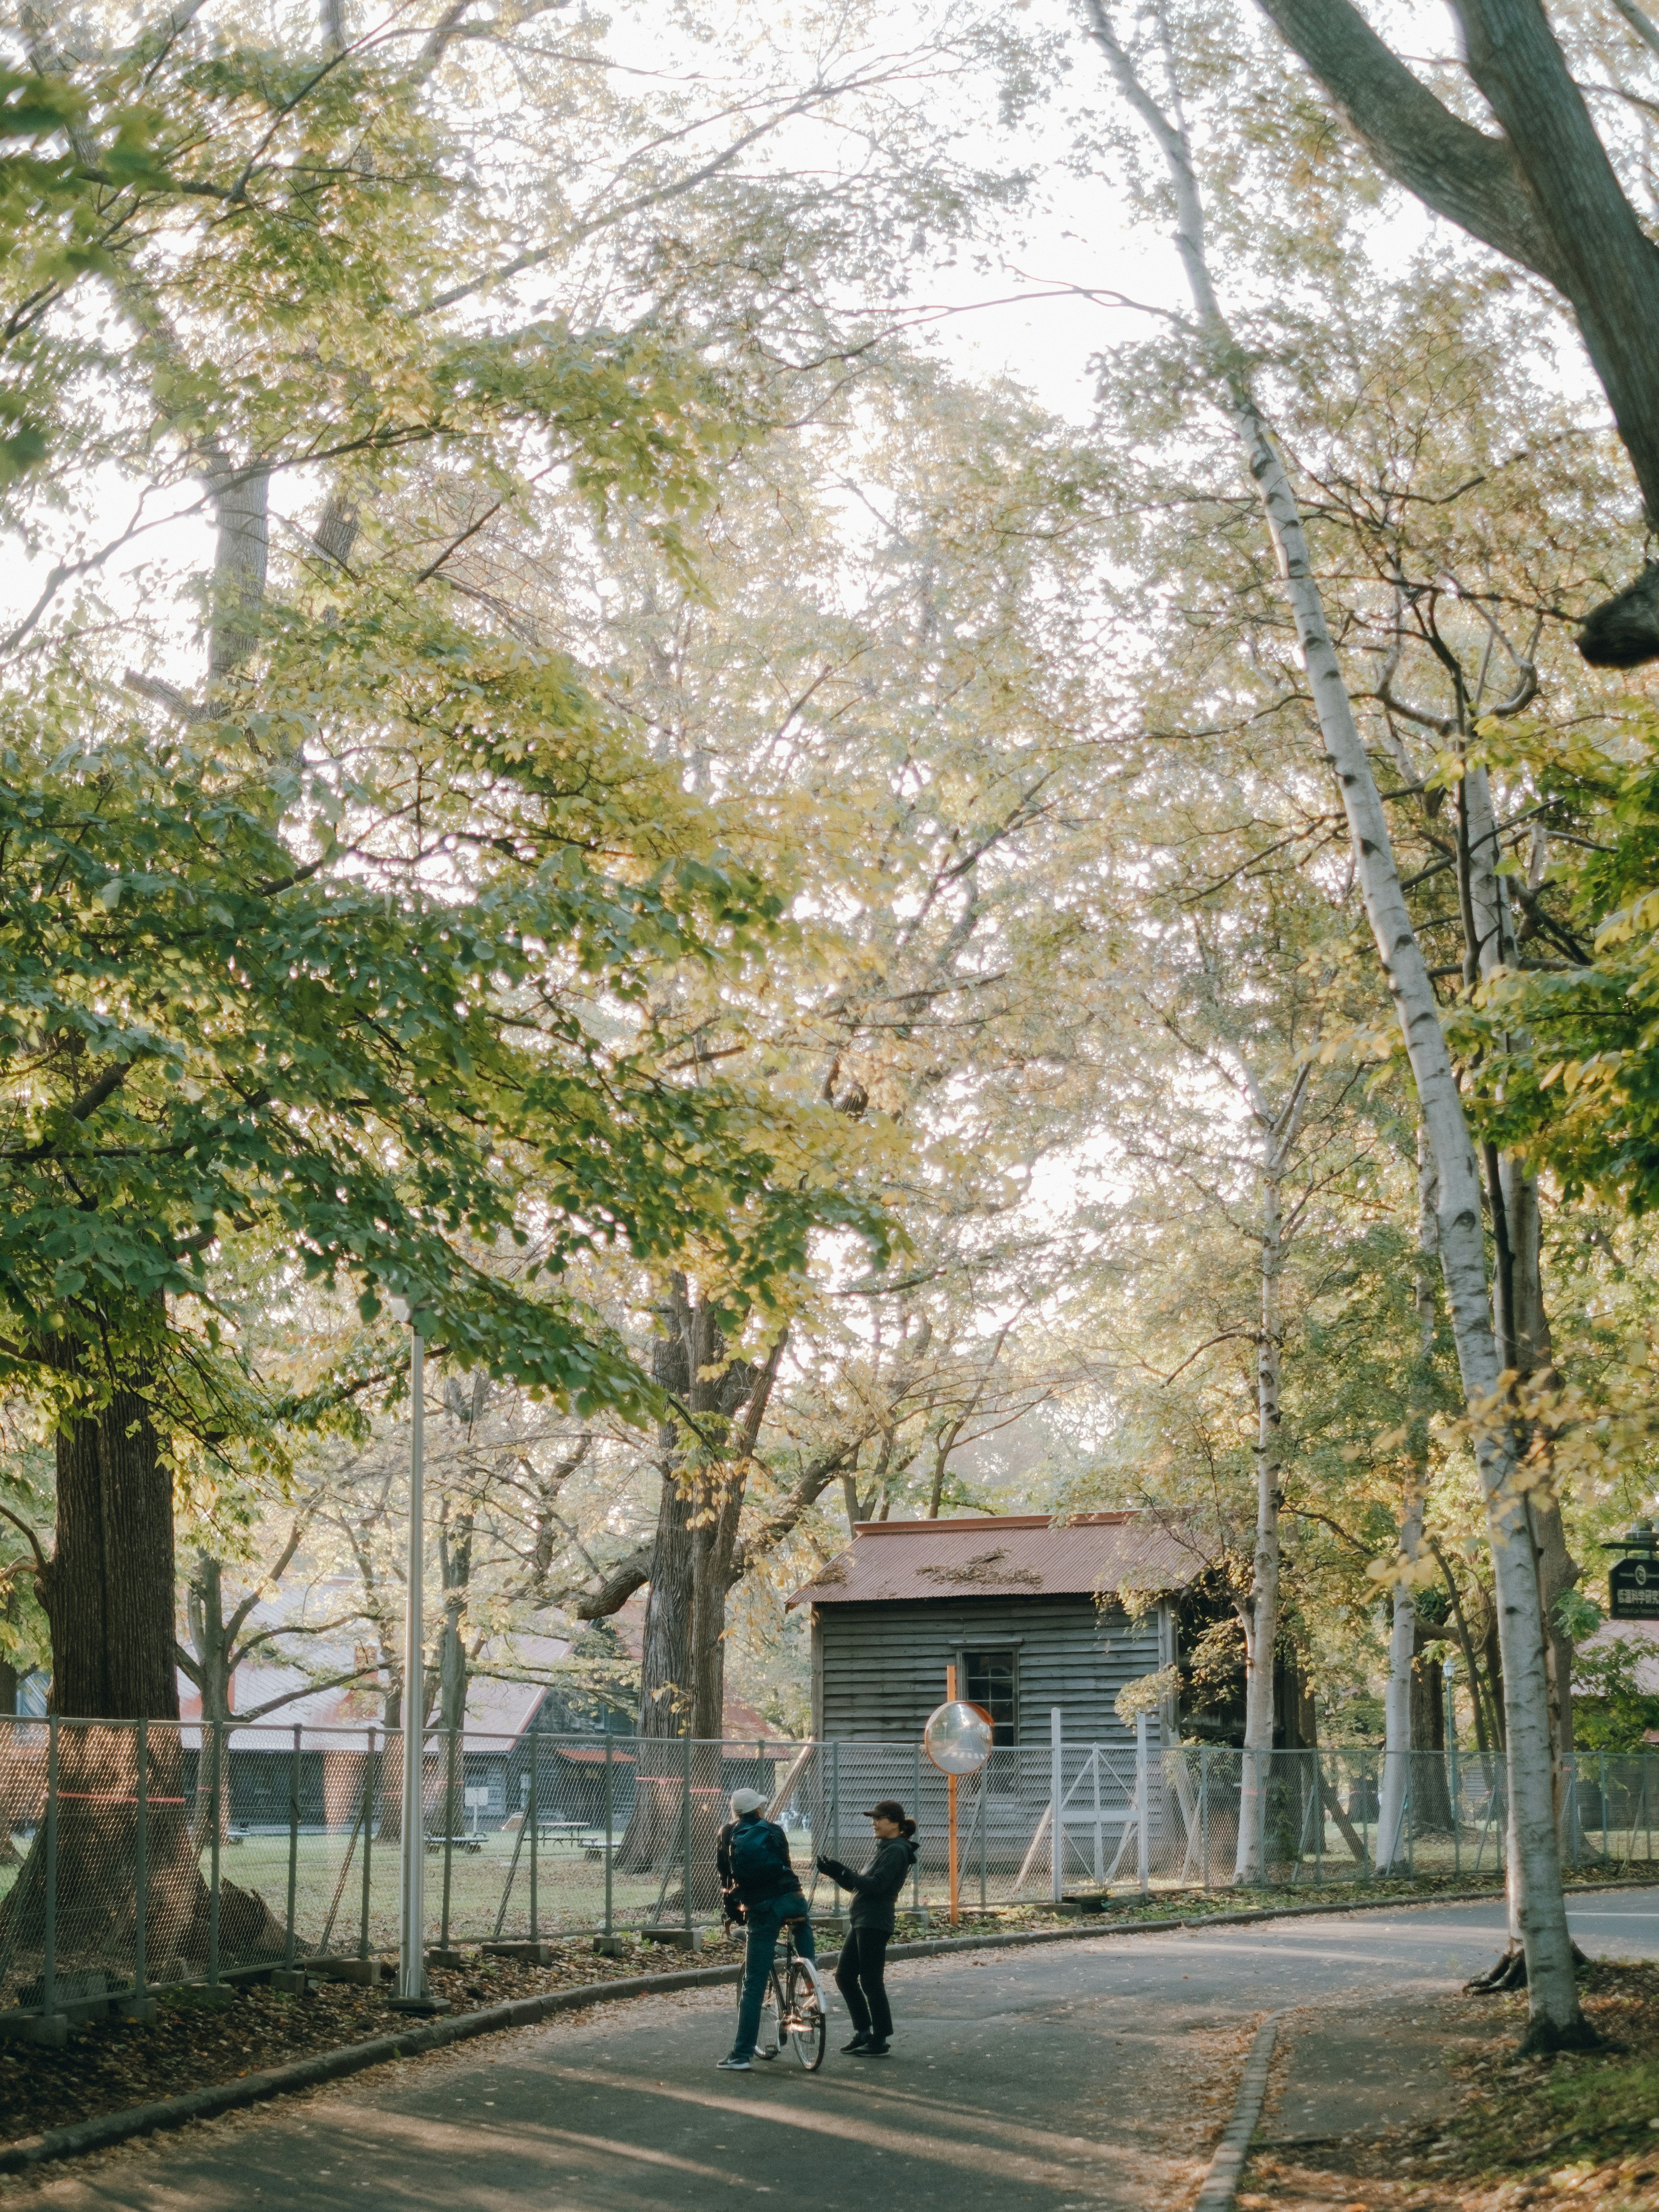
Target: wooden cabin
column 1028, row 1609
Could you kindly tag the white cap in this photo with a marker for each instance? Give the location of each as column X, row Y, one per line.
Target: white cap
column 746, row 1801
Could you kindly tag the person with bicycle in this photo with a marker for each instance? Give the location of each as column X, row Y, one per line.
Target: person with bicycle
column 761, row 1892
column 861, row 1967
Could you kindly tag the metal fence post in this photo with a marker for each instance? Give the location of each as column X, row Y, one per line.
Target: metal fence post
column 535, row 1820
column 214, row 1814
column 1143, row 1807
column 610, row 1823
column 1603, row 1786
column 1368, row 1784
column 1204, row 1807
column 984, row 1825
column 685, row 1835
column 370, row 1772
column 449, row 1838
column 48, row 1960
column 1454, row 1791
column 1100, row 1840
column 141, row 1857
column 916, row 1871
column 293, row 1850
column 1411, row 1758
column 1056, row 1809
column 835, row 1811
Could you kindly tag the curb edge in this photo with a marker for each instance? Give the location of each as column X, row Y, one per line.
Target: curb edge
column 1226, row 2167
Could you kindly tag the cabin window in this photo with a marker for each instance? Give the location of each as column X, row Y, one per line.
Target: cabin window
column 988, row 1680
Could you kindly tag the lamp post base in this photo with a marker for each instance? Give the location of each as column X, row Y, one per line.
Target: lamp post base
column 425, row 2007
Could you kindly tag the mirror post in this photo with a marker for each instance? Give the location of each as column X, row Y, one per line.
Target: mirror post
column 951, row 1794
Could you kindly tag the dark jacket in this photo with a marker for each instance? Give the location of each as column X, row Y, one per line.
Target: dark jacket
column 875, row 1891
column 770, row 1871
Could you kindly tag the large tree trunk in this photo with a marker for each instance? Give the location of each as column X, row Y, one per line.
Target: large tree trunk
column 696, row 1561
column 654, row 1831
column 1431, row 1807
column 714, row 1546
column 717, row 1562
column 109, row 1593
column 1535, row 1863
column 109, row 1596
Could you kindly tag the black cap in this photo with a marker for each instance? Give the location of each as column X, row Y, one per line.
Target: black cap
column 889, row 1809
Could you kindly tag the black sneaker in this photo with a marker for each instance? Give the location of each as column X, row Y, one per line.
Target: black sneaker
column 860, row 2042
column 874, row 2050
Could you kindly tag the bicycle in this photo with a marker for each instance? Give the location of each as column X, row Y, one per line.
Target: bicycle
column 794, row 2007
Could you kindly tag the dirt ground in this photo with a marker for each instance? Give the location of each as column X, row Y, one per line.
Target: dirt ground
column 1495, row 2131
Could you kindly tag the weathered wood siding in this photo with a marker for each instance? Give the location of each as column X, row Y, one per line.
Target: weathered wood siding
column 879, row 1667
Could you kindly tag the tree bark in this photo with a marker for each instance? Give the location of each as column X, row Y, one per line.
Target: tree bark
column 1535, row 1867
column 109, row 1591
column 1545, row 194
column 1608, row 268
column 665, row 1657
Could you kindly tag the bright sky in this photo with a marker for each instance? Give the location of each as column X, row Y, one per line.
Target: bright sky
column 1026, row 319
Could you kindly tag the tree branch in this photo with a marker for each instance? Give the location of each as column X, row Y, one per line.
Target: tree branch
column 1460, row 173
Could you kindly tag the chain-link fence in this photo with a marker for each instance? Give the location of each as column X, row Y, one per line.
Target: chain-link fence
column 141, row 1855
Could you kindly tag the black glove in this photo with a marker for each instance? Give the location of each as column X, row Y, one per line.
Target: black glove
column 833, row 1867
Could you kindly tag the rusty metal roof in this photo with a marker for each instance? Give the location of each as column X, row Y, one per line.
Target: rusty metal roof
column 1005, row 1555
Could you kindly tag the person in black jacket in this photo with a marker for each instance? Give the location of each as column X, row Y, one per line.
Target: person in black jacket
column 862, row 1960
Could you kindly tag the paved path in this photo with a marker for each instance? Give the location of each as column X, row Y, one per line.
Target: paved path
column 1078, row 2077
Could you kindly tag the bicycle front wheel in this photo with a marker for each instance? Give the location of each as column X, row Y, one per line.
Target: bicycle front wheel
column 809, row 2031
column 769, row 2040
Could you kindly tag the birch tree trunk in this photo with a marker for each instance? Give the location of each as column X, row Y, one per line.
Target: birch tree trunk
column 1534, row 1865
column 1262, row 1640
column 1518, row 1310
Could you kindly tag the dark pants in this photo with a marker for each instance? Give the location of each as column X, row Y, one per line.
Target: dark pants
column 763, row 1924
column 858, row 1972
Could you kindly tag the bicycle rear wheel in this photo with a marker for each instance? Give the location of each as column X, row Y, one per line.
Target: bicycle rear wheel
column 809, row 2031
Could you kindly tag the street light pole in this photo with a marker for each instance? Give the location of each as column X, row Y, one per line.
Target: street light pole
column 414, row 1992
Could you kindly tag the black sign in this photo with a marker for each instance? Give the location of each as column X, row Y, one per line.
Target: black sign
column 1633, row 1587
